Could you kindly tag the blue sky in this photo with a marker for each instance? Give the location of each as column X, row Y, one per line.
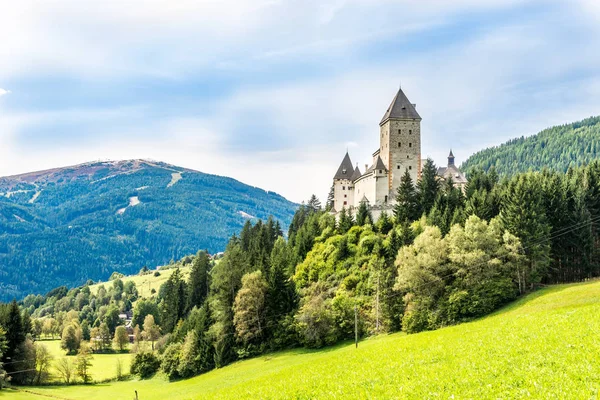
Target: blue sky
column 272, row 92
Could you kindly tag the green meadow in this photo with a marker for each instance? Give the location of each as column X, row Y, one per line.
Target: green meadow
column 145, row 283
column 544, row 346
column 104, row 366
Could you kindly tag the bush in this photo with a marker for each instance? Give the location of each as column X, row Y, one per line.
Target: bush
column 170, row 360
column 145, row 364
column 156, row 273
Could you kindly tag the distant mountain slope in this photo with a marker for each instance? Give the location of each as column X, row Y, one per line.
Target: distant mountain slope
column 556, row 148
column 67, row 225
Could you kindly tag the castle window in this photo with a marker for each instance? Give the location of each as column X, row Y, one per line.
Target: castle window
column 410, row 145
column 399, row 131
column 345, row 203
column 407, row 156
column 410, row 131
column 410, row 167
column 399, row 144
column 385, row 199
column 398, row 167
column 345, row 195
column 343, row 187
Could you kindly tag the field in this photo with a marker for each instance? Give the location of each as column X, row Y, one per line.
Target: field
column 104, row 366
column 145, row 283
column 545, row 346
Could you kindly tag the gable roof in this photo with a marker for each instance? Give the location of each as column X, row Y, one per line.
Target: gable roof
column 346, row 170
column 451, row 170
column 400, row 108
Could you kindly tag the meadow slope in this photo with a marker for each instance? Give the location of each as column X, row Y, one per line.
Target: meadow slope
column 546, row 345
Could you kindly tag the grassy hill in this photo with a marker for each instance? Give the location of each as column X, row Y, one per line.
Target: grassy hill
column 556, row 148
column 67, row 225
column 145, row 283
column 544, row 346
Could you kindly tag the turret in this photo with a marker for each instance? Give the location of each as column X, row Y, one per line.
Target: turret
column 450, row 158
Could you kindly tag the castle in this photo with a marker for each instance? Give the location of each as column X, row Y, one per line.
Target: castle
column 399, row 150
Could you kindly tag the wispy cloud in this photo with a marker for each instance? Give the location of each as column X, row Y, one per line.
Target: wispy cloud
column 265, row 90
column 4, row 92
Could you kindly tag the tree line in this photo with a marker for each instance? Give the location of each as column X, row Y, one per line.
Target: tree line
column 558, row 148
column 440, row 257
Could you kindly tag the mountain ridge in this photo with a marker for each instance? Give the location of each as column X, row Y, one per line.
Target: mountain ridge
column 556, row 148
column 120, row 215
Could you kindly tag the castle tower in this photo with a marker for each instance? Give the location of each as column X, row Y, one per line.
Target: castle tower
column 400, row 140
column 343, row 190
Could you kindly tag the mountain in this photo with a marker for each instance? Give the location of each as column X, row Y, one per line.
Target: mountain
column 557, row 148
column 66, row 225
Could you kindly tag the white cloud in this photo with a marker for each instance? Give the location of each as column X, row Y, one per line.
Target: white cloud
column 4, row 91
column 503, row 82
column 156, row 37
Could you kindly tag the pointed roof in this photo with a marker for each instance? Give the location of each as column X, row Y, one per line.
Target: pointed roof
column 451, row 155
column 356, row 173
column 379, row 164
column 346, row 170
column 364, row 199
column 400, row 108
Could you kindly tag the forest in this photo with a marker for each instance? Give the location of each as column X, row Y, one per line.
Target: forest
column 79, row 226
column 442, row 257
column 558, row 149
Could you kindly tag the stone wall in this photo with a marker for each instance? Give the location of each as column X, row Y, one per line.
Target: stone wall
column 400, row 149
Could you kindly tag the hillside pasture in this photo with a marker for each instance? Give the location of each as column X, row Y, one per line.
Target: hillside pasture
column 544, row 346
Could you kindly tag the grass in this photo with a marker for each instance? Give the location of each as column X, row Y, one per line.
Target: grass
column 545, row 346
column 145, row 283
column 104, row 366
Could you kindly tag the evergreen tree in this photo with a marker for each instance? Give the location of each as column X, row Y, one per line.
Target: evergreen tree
column 314, row 203
column 363, row 215
column 406, row 208
column 198, row 281
column 281, row 295
column 174, row 301
column 428, row 187
column 345, row 221
column 384, row 224
column 11, row 320
column 330, row 199
column 523, row 214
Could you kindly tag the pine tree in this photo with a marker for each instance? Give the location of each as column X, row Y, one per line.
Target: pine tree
column 363, row 214
column 345, row 221
column 330, row 199
column 281, row 294
column 428, row 186
column 15, row 334
column 174, row 301
column 314, row 203
column 384, row 224
column 523, row 214
column 198, row 281
column 406, row 208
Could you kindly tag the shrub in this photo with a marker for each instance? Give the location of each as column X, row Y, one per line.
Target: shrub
column 145, row 364
column 170, row 360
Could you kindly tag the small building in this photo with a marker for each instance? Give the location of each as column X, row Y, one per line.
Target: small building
column 451, row 171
